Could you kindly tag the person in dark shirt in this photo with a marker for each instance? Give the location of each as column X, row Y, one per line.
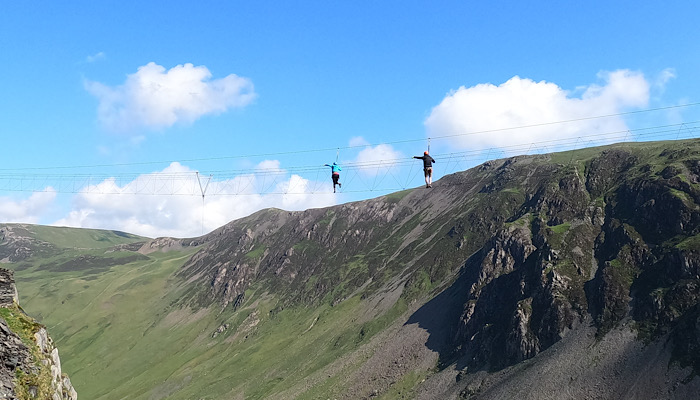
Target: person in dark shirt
column 335, row 174
column 427, row 168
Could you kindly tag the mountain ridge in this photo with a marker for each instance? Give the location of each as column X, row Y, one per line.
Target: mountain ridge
column 490, row 269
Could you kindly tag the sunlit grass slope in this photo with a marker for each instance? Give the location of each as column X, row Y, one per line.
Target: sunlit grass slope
column 122, row 333
column 82, row 238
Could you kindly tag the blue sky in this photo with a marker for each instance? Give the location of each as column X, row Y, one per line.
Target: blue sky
column 244, row 90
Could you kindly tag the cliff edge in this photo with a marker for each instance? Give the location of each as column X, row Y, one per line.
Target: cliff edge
column 29, row 364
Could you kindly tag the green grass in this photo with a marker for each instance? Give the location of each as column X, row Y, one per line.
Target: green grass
column 690, row 243
column 121, row 335
column 256, row 253
column 419, row 285
column 25, row 327
column 512, row 190
column 405, row 387
column 22, row 325
column 622, row 273
column 684, row 197
column 524, row 221
column 96, row 322
column 286, row 347
column 561, row 228
column 306, row 245
column 327, row 218
column 358, row 266
column 557, row 234
column 397, row 196
column 575, row 156
column 82, row 238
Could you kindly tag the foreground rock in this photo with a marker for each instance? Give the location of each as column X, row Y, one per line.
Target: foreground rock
column 29, row 364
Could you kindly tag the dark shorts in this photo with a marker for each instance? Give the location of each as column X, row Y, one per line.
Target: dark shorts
column 428, row 171
column 335, row 178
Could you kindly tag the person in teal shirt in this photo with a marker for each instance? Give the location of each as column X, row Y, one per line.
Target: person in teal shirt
column 335, row 174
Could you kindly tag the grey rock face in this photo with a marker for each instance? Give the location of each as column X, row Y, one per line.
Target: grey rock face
column 563, row 260
column 60, row 383
column 15, row 355
column 8, row 290
column 17, row 244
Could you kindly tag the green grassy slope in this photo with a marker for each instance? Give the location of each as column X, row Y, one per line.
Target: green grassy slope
column 121, row 333
column 100, row 319
column 82, row 238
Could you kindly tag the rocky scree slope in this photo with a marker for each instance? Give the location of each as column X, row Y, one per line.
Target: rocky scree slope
column 532, row 246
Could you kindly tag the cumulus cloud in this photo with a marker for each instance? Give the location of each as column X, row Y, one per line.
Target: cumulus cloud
column 27, row 210
column 357, row 141
column 269, row 166
column 483, row 116
column 373, row 168
column 377, row 159
column 169, row 202
column 154, row 97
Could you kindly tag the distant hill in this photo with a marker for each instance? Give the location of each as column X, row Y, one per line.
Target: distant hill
column 571, row 274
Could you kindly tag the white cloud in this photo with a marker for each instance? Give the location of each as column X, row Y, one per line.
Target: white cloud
column 269, row 166
column 357, row 141
column 520, row 102
column 154, row 97
column 95, row 57
column 663, row 78
column 169, row 202
column 374, row 158
column 28, row 210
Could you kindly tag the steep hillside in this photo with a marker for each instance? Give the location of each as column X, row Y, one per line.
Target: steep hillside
column 30, row 367
column 550, row 243
column 582, row 266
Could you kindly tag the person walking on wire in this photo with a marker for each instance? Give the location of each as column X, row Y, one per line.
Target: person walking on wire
column 335, row 174
column 427, row 168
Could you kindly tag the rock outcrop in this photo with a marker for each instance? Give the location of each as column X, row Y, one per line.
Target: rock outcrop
column 18, row 244
column 616, row 243
column 29, row 364
column 8, row 290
